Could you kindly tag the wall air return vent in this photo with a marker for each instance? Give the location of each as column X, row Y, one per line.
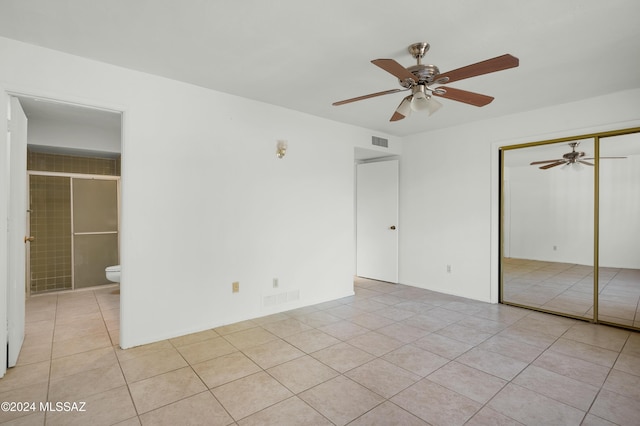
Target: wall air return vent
column 379, row 141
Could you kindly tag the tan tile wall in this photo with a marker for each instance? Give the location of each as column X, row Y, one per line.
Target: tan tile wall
column 72, row 164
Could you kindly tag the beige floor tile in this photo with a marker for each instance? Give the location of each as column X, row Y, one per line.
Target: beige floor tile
column 623, row 383
column 79, row 329
column 416, row 360
column 492, row 363
column 206, row 349
column 341, row 400
column 110, row 407
column 436, row 404
column 375, row 343
column 290, row 412
column 273, row 353
column 395, row 314
column 428, row 323
column 312, row 340
column 224, row 369
column 127, row 354
column 318, row 319
column 403, row 332
column 598, row 335
column 270, row 318
column 250, row 337
column 80, row 344
column 35, row 393
column 286, row 327
column 464, row 334
column 371, row 321
column 628, row 363
column 200, row 409
column 344, row 330
column 250, row 394
column 34, row 352
column 302, row 373
column 470, row 382
column 531, row 337
column 387, row 414
column 342, row 357
column 152, row 364
column 512, row 348
column 574, row 368
column 490, row 417
column 72, row 364
column 558, row 387
column 235, row 327
column 29, row 419
column 443, row 346
column 616, row 408
column 26, row 375
column 86, row 383
column 532, row 408
column 193, row 338
column 382, row 377
column 164, row 389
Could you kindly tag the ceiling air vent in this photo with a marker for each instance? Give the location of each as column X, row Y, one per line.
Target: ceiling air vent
column 379, row 141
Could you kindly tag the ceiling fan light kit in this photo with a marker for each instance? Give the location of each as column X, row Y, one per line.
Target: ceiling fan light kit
column 420, row 77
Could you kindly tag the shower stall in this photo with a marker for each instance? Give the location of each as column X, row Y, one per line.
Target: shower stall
column 74, row 222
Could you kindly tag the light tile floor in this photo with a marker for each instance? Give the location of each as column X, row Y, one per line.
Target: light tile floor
column 390, row 355
column 568, row 288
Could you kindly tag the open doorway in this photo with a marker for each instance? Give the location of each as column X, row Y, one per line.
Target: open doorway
column 73, row 165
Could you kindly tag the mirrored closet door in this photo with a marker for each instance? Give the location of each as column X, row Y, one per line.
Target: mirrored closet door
column 570, row 212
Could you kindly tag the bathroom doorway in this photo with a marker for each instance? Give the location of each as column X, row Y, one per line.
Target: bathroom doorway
column 73, row 166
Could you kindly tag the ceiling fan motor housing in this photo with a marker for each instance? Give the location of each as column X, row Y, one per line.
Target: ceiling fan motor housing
column 425, row 75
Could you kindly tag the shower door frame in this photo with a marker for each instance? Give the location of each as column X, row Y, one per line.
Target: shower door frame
column 72, row 176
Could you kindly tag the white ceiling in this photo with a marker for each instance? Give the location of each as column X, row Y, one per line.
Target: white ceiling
column 304, row 55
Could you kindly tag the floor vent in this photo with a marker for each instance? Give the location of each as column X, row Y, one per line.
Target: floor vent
column 379, row 141
column 280, row 298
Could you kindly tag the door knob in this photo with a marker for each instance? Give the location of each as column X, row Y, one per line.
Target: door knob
column 30, row 239
column 392, row 227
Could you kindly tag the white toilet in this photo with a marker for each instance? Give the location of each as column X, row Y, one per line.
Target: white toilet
column 113, row 273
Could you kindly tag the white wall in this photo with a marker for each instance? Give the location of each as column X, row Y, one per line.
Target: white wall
column 53, row 133
column 555, row 208
column 205, row 201
column 449, row 183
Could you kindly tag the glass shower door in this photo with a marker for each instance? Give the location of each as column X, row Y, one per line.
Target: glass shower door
column 95, row 230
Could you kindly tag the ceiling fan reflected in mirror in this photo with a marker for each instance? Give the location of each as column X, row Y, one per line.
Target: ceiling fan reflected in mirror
column 570, row 158
column 420, row 77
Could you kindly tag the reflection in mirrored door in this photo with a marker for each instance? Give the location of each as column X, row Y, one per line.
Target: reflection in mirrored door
column 619, row 230
column 548, row 227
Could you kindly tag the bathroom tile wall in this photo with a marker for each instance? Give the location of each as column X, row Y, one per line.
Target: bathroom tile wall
column 72, row 164
column 50, row 215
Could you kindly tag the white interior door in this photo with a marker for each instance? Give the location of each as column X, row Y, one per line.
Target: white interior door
column 16, row 231
column 377, row 220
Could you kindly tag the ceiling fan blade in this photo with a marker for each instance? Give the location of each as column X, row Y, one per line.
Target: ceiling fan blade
column 372, row 95
column 392, row 67
column 470, row 98
column 397, row 116
column 545, row 161
column 557, row 163
column 608, row 158
column 584, row 162
column 485, row 67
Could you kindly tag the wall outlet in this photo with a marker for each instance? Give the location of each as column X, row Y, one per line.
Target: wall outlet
column 448, row 269
column 235, row 286
column 275, row 283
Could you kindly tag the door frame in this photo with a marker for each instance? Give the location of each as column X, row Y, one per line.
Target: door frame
column 5, row 94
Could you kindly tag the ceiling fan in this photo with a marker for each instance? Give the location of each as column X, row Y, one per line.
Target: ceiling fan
column 419, row 78
column 573, row 157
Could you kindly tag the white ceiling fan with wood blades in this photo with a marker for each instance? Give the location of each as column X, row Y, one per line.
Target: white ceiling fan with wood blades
column 420, row 78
